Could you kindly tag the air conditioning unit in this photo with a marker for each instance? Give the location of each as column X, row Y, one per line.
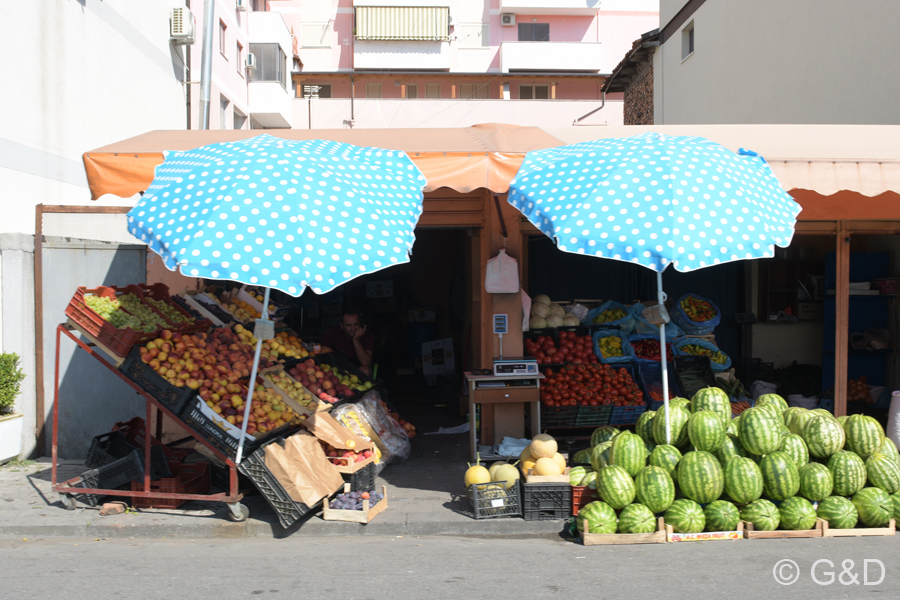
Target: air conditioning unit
column 182, row 25
column 242, row 4
column 507, row 19
column 250, row 61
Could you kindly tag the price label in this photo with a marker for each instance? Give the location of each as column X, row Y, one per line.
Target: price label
column 498, row 503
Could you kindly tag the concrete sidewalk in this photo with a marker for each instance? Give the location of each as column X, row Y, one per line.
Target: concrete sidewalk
column 425, row 497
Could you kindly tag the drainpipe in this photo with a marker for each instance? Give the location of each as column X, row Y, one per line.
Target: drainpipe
column 352, row 95
column 206, row 61
column 582, row 117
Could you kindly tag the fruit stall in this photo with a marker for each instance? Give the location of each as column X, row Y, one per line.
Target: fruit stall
column 313, row 417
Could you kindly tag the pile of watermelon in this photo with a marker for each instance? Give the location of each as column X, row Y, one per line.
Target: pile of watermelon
column 772, row 466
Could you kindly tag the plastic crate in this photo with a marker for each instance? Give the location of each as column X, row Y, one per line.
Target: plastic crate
column 650, row 380
column 135, row 431
column 110, row 477
column 558, row 416
column 110, row 447
column 582, row 495
column 339, row 360
column 185, row 479
column 593, row 416
column 118, row 341
column 254, row 467
column 701, row 363
column 194, row 418
column 751, row 370
column 174, row 398
column 626, row 415
column 160, row 293
column 220, row 478
column 546, row 501
column 493, row 500
column 362, row 480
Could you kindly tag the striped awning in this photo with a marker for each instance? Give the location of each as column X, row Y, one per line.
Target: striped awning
column 410, row 23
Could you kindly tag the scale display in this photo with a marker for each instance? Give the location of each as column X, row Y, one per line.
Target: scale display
column 515, row 366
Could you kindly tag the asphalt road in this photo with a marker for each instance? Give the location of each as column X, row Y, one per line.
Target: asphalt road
column 401, row 568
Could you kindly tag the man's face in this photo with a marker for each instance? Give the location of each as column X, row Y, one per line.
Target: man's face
column 350, row 324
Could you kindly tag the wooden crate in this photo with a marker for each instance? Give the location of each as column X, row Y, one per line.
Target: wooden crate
column 891, row 529
column 564, row 478
column 601, row 539
column 750, row 533
column 349, row 470
column 705, row 536
column 363, row 516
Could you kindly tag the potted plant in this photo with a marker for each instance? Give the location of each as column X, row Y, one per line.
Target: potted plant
column 11, row 423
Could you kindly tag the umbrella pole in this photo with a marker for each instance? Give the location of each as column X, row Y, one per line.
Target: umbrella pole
column 661, row 297
column 252, row 384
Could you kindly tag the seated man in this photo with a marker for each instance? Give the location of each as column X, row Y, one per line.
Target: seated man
column 352, row 338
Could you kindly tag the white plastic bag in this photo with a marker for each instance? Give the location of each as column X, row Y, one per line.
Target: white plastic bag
column 502, row 275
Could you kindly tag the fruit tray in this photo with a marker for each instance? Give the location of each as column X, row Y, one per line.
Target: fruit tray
column 188, row 296
column 582, row 495
column 546, row 501
column 601, row 539
column 494, row 500
column 705, row 536
column 750, row 533
column 650, row 380
column 593, row 416
column 530, row 477
column 891, row 529
column 363, row 516
column 110, row 447
column 288, row 399
column 185, row 479
column 174, row 398
column 197, row 419
column 553, row 417
column 110, row 477
column 353, row 468
column 160, row 293
column 119, row 341
column 694, row 363
column 626, row 415
column 337, row 359
column 136, row 429
column 361, row 480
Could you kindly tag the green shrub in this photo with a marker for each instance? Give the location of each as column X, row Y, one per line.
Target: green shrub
column 11, row 377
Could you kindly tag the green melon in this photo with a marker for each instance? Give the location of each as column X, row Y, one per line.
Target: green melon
column 781, row 480
column 636, row 518
column 600, row 455
column 838, row 511
column 794, row 446
column 616, row 486
column 628, row 451
column 763, row 514
column 644, row 426
column 874, row 506
column 603, row 434
column 759, row 431
column 600, row 518
column 797, row 514
column 654, row 488
column 883, row 473
column 849, row 472
column 731, row 446
column 788, row 414
column 822, row 412
column 582, row 457
column 774, row 400
column 733, row 427
column 799, row 421
column 576, row 474
column 678, row 420
column 667, row 458
column 589, row 480
column 721, row 515
column 712, row 399
column 895, row 498
column 706, row 430
column 889, row 449
column 864, row 435
column 685, row 516
column 842, row 420
column 823, row 436
column 679, row 401
column 816, row 482
column 743, row 480
column 700, row 477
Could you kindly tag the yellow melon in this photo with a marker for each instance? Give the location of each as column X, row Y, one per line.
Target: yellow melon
column 476, row 473
column 547, row 466
column 527, row 465
column 560, row 461
column 543, row 446
column 526, row 454
column 493, row 469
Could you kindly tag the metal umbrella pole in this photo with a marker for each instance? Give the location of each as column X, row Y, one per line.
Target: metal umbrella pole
column 257, row 331
column 661, row 297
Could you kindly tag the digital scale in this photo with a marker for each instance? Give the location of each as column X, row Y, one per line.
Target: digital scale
column 505, row 367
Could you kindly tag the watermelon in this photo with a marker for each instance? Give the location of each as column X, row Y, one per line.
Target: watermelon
column 823, row 436
column 576, row 474
column 797, row 513
column 774, row 400
column 781, row 480
column 644, row 426
column 794, row 446
column 721, row 515
column 895, row 498
column 628, row 451
column 816, row 482
column 889, row 449
column 864, row 435
column 685, row 516
column 823, row 413
column 763, row 514
column 636, row 518
column 603, row 434
column 713, row 399
column 600, row 455
column 600, row 518
column 883, row 473
column 799, row 421
column 849, row 472
column 743, row 480
column 838, row 511
column 678, row 419
column 759, row 432
column 678, row 400
column 874, row 506
column 589, row 480
column 706, row 430
column 731, row 446
column 788, row 414
column 582, row 457
column 700, row 477
column 649, row 446
column 772, row 410
column 733, row 427
column 842, row 420
column 615, row 486
column 654, row 488
column 667, row 458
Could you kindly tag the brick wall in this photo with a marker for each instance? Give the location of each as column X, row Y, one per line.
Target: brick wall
column 639, row 97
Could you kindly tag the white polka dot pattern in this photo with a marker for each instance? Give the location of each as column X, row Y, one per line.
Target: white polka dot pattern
column 281, row 213
column 656, row 200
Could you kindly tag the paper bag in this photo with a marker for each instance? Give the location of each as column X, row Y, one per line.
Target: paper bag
column 324, row 427
column 302, row 469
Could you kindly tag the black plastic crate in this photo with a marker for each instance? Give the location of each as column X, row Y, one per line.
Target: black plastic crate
column 220, row 478
column 702, row 366
column 593, row 416
column 751, row 370
column 546, row 501
column 174, row 398
column 650, row 377
column 626, row 415
column 558, row 416
column 110, row 477
column 194, row 418
column 112, row 446
column 493, row 500
column 362, row 480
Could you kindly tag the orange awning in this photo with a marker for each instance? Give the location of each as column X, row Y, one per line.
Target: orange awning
column 463, row 159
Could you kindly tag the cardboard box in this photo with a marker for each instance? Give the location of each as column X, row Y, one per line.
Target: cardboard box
column 810, row 311
column 438, row 357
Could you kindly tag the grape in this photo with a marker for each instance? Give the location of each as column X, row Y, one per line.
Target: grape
column 169, row 311
column 187, row 307
column 149, row 320
column 216, row 311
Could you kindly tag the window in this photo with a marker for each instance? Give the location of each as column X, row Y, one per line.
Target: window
column 433, row 90
column 534, row 92
column 271, row 64
column 474, row 91
column 222, row 29
column 223, row 112
column 534, row 32
column 317, row 90
column 687, row 41
column 239, row 119
column 373, row 90
column 239, row 57
column 412, row 90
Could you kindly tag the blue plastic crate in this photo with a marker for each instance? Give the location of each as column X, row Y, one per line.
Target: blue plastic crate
column 626, row 415
column 649, row 373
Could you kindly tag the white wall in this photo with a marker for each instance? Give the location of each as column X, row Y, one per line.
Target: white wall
column 88, row 73
column 770, row 61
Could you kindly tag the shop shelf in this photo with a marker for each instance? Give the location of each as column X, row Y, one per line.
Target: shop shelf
column 546, row 501
column 110, row 447
column 185, row 479
column 698, row 363
column 174, row 398
column 493, row 500
column 593, row 416
column 582, row 496
column 558, row 416
column 110, row 477
column 135, row 431
column 626, row 415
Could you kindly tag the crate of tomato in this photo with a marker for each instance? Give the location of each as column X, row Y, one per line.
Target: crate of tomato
column 571, row 346
column 592, row 389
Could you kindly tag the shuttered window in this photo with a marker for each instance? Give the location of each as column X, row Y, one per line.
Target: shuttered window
column 415, row 23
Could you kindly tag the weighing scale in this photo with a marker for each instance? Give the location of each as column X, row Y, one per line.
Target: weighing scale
column 505, row 367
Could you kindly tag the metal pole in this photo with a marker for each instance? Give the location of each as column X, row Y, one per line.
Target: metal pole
column 661, row 297
column 209, row 24
column 252, row 383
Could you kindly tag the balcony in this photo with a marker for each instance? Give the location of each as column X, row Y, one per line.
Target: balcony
column 422, row 56
column 269, row 91
column 386, row 113
column 582, row 57
column 570, row 8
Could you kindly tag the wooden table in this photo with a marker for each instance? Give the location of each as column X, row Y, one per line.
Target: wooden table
column 502, row 412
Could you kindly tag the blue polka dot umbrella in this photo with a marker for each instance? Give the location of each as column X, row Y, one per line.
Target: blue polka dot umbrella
column 656, row 200
column 282, row 214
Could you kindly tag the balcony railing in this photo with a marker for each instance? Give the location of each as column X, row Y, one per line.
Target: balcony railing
column 552, row 56
column 571, row 8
